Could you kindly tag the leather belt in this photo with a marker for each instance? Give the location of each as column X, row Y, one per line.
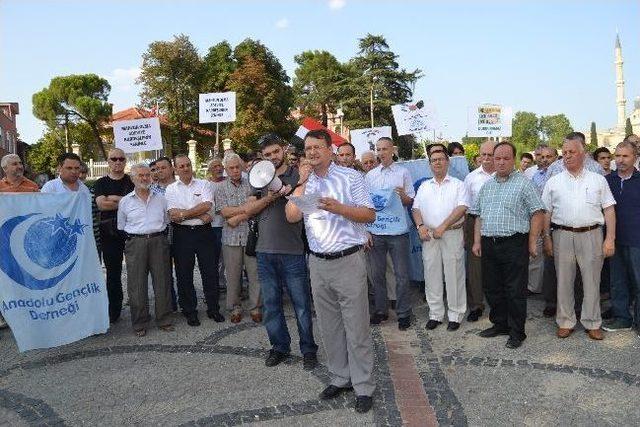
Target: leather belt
column 336, row 255
column 146, row 236
column 575, row 229
column 191, row 227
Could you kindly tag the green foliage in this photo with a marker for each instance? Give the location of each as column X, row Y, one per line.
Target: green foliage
column 171, row 76
column 628, row 129
column 42, row 156
column 525, row 131
column 263, row 96
column 72, row 100
column 375, row 70
column 472, row 140
column 471, row 150
column 554, row 128
column 316, row 83
column 593, row 138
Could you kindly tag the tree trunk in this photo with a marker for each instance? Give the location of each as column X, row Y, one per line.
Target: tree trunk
column 99, row 142
column 325, row 118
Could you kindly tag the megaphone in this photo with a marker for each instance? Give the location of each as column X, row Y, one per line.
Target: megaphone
column 263, row 175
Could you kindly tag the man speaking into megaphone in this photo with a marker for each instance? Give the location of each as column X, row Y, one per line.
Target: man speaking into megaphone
column 280, row 253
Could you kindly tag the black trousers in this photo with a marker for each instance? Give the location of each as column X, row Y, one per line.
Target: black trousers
column 190, row 243
column 112, row 255
column 505, row 273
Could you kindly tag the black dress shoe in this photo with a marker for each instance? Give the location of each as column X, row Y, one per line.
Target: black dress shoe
column 377, row 318
column 275, row 358
column 404, row 323
column 332, row 391
column 309, row 361
column 432, row 324
column 474, row 315
column 493, row 332
column 216, row 316
column 193, row 321
column 453, row 326
column 363, row 404
column 513, row 343
column 549, row 311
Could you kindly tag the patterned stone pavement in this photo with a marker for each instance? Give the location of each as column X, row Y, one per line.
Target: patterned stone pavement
column 215, row 375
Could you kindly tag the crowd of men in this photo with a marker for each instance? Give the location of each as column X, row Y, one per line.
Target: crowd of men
column 501, row 234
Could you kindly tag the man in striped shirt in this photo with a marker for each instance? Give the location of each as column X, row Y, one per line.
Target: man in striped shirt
column 336, row 236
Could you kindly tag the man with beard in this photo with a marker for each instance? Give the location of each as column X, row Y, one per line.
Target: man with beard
column 142, row 215
column 281, row 261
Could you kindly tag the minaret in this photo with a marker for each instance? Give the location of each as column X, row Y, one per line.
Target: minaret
column 620, row 99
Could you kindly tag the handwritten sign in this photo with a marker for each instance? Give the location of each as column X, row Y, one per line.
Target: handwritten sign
column 217, row 107
column 489, row 120
column 133, row 136
column 365, row 139
column 412, row 119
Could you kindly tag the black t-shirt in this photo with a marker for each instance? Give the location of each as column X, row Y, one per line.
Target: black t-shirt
column 107, row 186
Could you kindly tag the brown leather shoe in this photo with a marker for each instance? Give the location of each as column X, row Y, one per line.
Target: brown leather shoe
column 595, row 334
column 256, row 316
column 564, row 332
column 236, row 316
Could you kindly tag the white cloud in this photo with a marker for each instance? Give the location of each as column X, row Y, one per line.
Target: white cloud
column 337, row 4
column 282, row 23
column 124, row 79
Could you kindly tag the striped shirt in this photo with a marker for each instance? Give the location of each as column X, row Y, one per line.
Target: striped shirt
column 589, row 164
column 506, row 206
column 328, row 232
column 229, row 194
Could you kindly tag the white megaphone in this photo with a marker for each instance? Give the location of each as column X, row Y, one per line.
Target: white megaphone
column 263, row 175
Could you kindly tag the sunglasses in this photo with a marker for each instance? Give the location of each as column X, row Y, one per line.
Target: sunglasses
column 117, row 159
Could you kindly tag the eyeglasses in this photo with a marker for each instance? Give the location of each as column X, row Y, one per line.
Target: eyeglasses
column 117, row 159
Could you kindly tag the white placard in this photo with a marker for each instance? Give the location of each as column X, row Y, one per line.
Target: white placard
column 365, row 139
column 489, row 120
column 217, row 107
column 137, row 135
column 411, row 119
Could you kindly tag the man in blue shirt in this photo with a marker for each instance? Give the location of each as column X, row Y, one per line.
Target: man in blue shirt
column 624, row 183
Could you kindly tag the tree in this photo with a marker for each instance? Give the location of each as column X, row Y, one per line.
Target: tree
column 75, row 99
column 593, row 138
column 316, row 83
column 628, row 129
column 263, row 96
column 375, row 75
column 171, row 78
column 554, row 128
column 525, row 131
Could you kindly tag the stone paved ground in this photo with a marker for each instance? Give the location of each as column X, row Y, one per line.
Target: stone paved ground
column 215, row 375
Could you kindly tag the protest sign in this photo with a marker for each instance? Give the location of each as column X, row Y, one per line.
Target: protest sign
column 365, row 139
column 217, row 107
column 489, row 120
column 391, row 216
column 413, row 119
column 132, row 136
column 53, row 289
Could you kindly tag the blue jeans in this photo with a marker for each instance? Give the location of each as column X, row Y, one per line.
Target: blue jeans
column 625, row 283
column 275, row 271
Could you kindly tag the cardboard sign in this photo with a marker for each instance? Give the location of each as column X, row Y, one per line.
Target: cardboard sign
column 365, row 139
column 132, row 136
column 217, row 107
column 489, row 120
column 413, row 119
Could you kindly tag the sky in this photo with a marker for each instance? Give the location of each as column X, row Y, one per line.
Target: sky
column 547, row 57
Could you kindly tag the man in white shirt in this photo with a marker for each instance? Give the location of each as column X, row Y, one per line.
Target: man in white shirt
column 142, row 215
column 438, row 211
column 390, row 176
column 474, row 182
column 189, row 201
column 575, row 200
column 68, row 176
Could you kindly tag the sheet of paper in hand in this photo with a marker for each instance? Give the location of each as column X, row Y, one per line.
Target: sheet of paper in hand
column 391, row 216
column 307, row 203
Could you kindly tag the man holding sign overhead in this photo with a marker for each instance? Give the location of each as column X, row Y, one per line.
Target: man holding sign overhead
column 391, row 189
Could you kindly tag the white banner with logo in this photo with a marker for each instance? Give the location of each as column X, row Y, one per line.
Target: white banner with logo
column 217, row 107
column 414, row 119
column 132, row 136
column 365, row 139
column 53, row 289
column 489, row 120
